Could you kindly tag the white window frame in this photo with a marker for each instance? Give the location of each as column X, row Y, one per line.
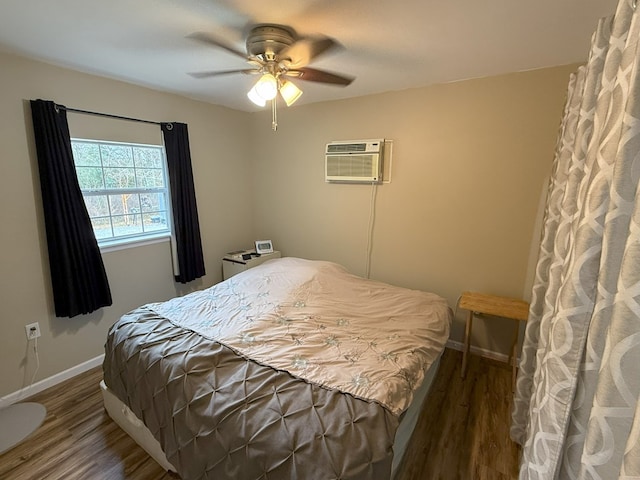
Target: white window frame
column 136, row 239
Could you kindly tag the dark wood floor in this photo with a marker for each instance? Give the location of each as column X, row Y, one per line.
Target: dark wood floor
column 463, row 433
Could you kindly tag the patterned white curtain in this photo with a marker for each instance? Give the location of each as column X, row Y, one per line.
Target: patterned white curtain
column 576, row 409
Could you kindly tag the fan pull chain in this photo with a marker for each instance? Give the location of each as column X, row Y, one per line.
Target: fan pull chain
column 274, row 115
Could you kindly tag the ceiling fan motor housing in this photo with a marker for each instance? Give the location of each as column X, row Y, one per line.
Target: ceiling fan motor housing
column 267, row 41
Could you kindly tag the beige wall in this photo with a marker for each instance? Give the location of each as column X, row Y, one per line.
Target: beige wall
column 469, row 163
column 221, row 163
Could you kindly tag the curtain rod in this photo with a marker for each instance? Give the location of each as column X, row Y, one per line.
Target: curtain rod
column 108, row 115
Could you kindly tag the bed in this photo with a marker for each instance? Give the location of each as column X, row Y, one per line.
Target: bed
column 294, row 369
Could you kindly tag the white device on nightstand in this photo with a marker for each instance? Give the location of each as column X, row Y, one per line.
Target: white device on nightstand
column 264, row 246
column 241, row 260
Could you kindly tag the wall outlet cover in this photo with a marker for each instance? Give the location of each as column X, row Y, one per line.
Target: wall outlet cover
column 33, row 330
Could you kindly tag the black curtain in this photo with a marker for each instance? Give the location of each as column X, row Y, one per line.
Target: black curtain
column 78, row 276
column 183, row 199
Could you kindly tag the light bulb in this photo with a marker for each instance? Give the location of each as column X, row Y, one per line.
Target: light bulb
column 290, row 93
column 267, row 87
column 255, row 98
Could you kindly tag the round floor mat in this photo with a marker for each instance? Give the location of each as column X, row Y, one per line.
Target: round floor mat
column 18, row 421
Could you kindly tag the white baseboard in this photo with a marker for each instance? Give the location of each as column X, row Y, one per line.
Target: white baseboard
column 483, row 352
column 50, row 381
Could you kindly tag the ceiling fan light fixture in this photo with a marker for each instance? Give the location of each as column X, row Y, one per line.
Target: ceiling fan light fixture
column 290, row 93
column 267, row 87
column 256, row 98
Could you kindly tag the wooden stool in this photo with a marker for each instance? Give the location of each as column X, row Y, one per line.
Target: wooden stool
column 500, row 307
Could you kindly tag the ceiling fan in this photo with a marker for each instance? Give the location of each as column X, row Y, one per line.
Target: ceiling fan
column 277, row 53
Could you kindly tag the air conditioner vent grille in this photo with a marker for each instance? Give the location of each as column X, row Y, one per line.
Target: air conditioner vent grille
column 346, row 147
column 350, row 166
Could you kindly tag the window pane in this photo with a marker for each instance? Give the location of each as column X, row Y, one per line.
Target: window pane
column 150, row 178
column 155, row 221
column 126, row 224
column 147, row 157
column 124, row 204
column 152, row 202
column 119, row 177
column 90, row 178
column 116, row 155
column 102, row 227
column 86, row 154
column 97, row 205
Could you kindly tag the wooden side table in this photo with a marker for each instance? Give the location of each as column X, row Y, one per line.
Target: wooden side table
column 500, row 307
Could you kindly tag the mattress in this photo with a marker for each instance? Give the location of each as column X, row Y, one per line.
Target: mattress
column 293, row 369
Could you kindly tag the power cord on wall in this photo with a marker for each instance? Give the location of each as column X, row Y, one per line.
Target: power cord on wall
column 35, row 351
column 372, row 219
column 35, row 372
column 372, row 207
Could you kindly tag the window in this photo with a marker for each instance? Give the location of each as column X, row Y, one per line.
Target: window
column 125, row 189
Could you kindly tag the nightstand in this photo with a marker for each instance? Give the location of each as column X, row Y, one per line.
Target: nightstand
column 231, row 267
column 511, row 308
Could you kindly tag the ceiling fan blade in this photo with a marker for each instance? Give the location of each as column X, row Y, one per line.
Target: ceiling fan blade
column 305, row 50
column 209, row 39
column 321, row 76
column 218, row 73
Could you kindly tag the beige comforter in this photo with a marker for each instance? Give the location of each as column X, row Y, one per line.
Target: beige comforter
column 324, row 325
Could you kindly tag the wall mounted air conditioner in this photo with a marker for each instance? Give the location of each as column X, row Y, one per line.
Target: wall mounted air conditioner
column 354, row 161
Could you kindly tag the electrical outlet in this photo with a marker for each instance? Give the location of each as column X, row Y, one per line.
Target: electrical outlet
column 33, row 330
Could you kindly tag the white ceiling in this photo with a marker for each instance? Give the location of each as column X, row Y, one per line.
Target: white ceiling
column 389, row 45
